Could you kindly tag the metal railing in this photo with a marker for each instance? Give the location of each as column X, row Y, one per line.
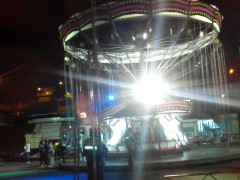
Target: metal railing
column 211, row 174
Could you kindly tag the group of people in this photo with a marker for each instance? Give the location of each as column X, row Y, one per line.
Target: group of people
column 86, row 149
column 65, row 145
column 47, row 152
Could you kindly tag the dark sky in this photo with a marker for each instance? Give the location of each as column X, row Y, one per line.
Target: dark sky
column 31, row 54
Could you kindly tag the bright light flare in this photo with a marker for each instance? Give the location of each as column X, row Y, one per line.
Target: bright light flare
column 151, row 90
column 144, row 35
column 111, row 97
column 137, row 54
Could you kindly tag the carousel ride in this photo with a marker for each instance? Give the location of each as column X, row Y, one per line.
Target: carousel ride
column 157, row 61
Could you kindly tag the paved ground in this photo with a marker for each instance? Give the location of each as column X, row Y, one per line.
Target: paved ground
column 21, row 166
column 200, row 155
column 34, row 172
column 223, row 162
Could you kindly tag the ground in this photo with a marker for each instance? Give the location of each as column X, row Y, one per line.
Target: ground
column 21, row 170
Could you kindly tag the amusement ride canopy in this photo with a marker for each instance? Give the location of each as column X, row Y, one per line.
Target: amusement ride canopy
column 175, row 40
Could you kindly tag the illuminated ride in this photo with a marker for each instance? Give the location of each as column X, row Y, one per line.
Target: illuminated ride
column 160, row 60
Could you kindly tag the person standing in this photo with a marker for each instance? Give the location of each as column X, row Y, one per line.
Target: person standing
column 42, row 153
column 64, row 148
column 137, row 139
column 88, row 152
column 27, row 150
column 108, row 135
column 52, row 164
column 80, row 146
column 47, row 152
column 129, row 142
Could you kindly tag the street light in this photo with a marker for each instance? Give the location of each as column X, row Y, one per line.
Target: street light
column 231, row 71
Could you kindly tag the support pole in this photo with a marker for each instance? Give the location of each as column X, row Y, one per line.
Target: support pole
column 96, row 92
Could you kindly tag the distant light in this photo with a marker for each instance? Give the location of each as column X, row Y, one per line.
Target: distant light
column 67, row 59
column 216, row 41
column 82, row 44
column 68, row 94
column 231, row 71
column 70, row 127
column 90, row 147
column 60, row 83
column 111, row 97
column 133, row 38
column 199, row 62
column 223, row 95
column 150, row 29
column 137, row 54
column 144, row 35
column 148, row 46
column 201, row 34
column 83, row 115
column 73, row 65
column 39, row 89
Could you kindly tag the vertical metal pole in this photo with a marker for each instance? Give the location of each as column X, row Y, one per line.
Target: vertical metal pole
column 66, row 90
column 73, row 113
column 72, row 91
column 77, row 123
column 76, row 137
column 142, row 64
column 95, row 62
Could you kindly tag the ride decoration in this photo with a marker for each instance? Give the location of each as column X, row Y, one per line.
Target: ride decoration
column 174, row 106
column 120, row 10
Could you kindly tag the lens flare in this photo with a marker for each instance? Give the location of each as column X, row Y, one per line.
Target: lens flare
column 151, row 90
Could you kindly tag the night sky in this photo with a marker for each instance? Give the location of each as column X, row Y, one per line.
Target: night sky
column 31, row 54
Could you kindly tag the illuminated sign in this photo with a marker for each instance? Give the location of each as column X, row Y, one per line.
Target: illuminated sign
column 174, row 106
